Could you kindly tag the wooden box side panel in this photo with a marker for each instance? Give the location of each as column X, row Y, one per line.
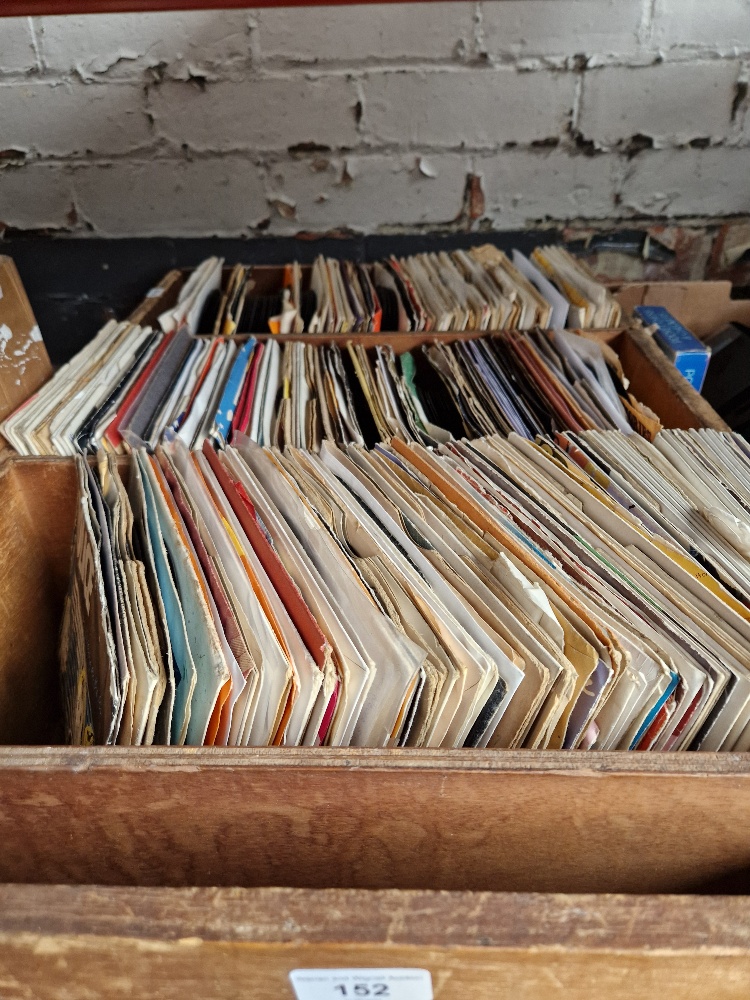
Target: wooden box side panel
column 37, row 511
column 656, row 382
column 57, row 942
column 457, row 820
column 161, row 297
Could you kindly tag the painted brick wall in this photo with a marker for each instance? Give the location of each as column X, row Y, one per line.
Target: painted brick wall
column 498, row 114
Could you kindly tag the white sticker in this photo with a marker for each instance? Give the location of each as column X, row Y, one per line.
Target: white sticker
column 154, row 293
column 365, row 984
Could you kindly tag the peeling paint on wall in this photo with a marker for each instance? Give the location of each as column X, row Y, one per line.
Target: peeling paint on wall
column 395, row 118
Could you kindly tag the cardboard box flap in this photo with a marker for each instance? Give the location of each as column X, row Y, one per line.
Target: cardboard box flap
column 704, row 307
column 24, row 362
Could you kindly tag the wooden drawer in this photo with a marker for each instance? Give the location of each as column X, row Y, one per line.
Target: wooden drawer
column 58, row 942
column 464, row 820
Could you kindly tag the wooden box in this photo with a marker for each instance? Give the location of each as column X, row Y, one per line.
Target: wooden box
column 114, row 859
column 464, row 820
column 653, row 378
column 207, row 872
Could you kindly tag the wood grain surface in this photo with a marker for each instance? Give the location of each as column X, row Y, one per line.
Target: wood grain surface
column 655, row 381
column 327, row 818
column 37, row 514
column 58, row 942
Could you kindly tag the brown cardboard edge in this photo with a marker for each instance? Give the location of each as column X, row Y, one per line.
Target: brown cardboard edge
column 36, row 369
column 703, row 307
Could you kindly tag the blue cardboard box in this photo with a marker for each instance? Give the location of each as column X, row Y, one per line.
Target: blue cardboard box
column 689, row 355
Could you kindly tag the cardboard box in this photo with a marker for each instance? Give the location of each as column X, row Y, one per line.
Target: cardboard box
column 24, row 362
column 655, row 381
column 704, row 307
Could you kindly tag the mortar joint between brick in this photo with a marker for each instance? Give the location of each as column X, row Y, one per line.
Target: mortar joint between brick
column 646, row 26
column 164, row 149
column 35, row 44
column 337, row 67
column 742, row 117
column 364, row 71
column 479, row 46
column 576, row 109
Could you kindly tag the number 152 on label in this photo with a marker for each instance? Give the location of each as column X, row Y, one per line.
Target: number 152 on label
column 361, row 984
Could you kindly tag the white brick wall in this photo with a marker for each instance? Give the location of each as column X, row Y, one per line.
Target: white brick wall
column 71, row 118
column 465, row 108
column 324, row 197
column 687, row 182
column 369, row 33
column 17, row 52
column 562, row 28
column 532, row 185
column 256, row 113
column 159, row 196
column 671, row 103
column 124, row 46
column 722, row 26
column 371, row 117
